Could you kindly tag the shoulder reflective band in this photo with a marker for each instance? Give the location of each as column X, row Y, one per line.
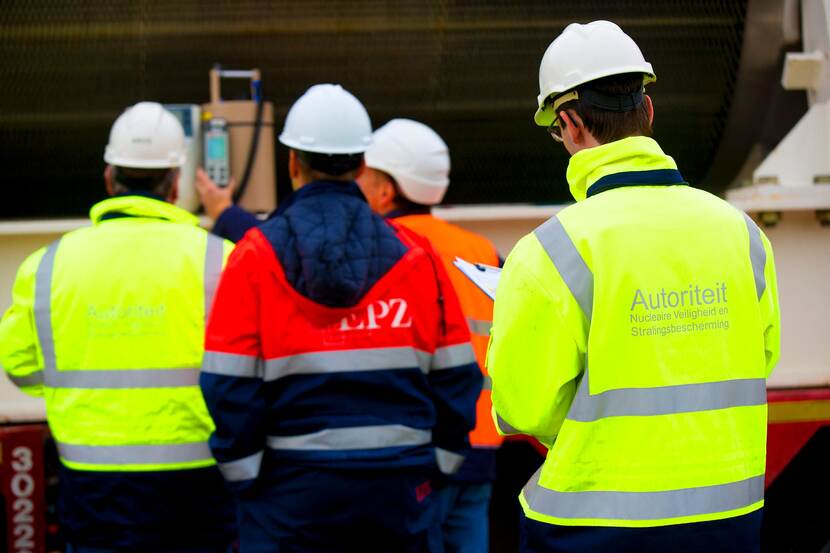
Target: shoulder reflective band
column 449, row 357
column 232, row 364
column 33, row 379
column 665, row 400
column 348, row 360
column 757, row 254
column 355, row 437
column 448, row 462
column 214, row 255
column 643, row 505
column 135, row 454
column 488, row 383
column 157, row 377
column 567, row 260
column 478, row 327
column 246, row 468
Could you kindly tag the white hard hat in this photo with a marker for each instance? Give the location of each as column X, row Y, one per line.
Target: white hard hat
column 146, row 136
column 327, row 119
column 583, row 53
column 415, row 156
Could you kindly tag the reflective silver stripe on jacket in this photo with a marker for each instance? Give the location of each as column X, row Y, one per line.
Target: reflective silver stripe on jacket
column 43, row 309
column 757, row 254
column 567, row 260
column 449, row 357
column 479, row 327
column 448, row 461
column 355, row 437
column 665, row 400
column 643, row 505
column 504, row 427
column 246, row 468
column 135, row 454
column 214, row 256
column 349, row 360
column 116, row 378
column 232, row 364
column 32, row 379
column 488, row 383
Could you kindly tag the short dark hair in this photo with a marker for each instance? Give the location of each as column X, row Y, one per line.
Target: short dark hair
column 330, row 165
column 606, row 125
column 154, row 181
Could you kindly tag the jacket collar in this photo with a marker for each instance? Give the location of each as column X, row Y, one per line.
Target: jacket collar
column 316, row 188
column 140, row 206
column 633, row 161
column 419, row 210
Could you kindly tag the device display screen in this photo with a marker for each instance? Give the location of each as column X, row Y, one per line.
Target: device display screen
column 216, row 147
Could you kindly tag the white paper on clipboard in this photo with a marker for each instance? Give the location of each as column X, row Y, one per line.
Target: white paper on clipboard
column 486, row 277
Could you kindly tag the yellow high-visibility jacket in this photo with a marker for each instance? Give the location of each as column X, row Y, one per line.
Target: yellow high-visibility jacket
column 633, row 333
column 107, row 323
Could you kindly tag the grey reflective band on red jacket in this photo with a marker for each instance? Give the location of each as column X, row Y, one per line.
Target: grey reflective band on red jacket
column 111, row 378
column 450, row 357
column 232, row 364
column 479, row 327
column 348, row 360
column 488, row 383
column 566, row 258
column 448, row 461
column 135, row 454
column 354, row 437
column 246, row 468
column 757, row 254
column 214, row 256
column 660, row 505
column 665, row 400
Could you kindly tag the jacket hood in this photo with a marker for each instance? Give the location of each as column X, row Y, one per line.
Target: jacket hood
column 636, row 153
column 331, row 246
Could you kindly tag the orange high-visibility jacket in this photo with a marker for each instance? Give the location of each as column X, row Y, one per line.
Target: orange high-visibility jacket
column 451, row 241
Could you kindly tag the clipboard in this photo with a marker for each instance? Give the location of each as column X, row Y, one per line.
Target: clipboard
column 486, row 277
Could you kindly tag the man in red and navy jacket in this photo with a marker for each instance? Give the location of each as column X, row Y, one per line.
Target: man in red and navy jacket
column 338, row 367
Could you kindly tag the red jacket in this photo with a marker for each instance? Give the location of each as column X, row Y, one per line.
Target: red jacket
column 390, row 381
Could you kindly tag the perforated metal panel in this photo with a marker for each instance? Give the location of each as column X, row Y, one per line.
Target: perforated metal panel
column 469, row 69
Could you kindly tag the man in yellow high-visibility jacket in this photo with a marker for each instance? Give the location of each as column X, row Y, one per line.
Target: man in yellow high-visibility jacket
column 107, row 324
column 633, row 332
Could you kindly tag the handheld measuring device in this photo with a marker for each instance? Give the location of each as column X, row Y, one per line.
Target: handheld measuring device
column 217, row 155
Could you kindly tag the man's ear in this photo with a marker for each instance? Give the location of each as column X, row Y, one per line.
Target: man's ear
column 108, row 180
column 173, row 195
column 650, row 108
column 388, row 194
column 293, row 164
column 360, row 170
column 574, row 127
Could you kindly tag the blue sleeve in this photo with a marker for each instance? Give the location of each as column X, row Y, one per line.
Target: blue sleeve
column 233, row 223
column 456, row 382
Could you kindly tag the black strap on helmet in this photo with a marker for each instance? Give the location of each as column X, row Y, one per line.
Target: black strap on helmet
column 618, row 103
